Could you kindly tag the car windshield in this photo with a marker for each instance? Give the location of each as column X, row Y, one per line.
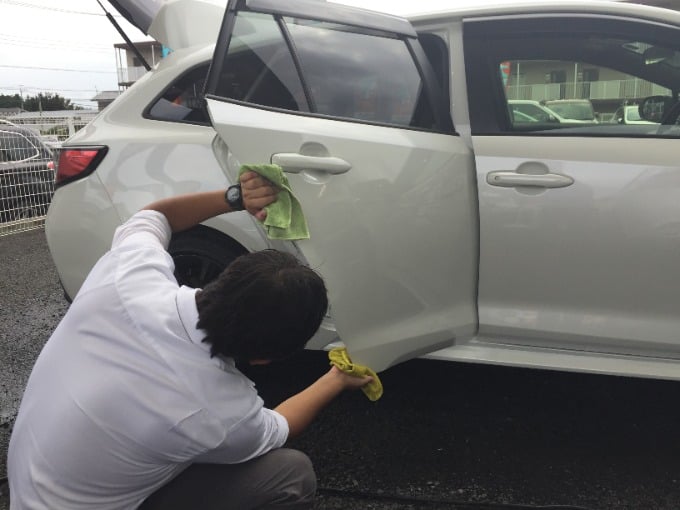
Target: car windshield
column 576, row 111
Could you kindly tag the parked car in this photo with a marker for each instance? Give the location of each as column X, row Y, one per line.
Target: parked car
column 629, row 115
column 575, row 110
column 26, row 174
column 534, row 110
column 439, row 226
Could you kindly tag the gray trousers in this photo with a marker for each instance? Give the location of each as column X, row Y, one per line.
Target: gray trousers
column 280, row 479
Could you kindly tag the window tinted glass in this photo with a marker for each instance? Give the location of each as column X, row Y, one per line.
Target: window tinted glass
column 182, row 101
column 577, row 83
column 259, row 67
column 345, row 72
column 564, row 93
column 358, row 75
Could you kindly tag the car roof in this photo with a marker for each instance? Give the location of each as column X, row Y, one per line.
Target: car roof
column 602, row 7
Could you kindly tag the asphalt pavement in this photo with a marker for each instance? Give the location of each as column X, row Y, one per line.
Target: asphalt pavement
column 444, row 435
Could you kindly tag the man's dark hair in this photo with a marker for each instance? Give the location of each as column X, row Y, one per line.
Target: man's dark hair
column 265, row 305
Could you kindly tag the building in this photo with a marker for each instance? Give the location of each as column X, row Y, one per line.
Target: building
column 130, row 67
column 8, row 112
column 105, row 98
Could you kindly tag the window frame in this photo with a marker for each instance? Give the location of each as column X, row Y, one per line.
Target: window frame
column 483, row 52
column 436, row 100
column 146, row 113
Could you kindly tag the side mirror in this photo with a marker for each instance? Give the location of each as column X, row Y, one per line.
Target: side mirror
column 653, row 108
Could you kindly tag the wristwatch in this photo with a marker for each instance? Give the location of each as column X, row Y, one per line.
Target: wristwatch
column 234, row 198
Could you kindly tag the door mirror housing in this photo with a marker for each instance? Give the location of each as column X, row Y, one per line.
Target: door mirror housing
column 654, row 108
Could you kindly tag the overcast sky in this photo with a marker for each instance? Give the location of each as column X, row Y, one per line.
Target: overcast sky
column 66, row 46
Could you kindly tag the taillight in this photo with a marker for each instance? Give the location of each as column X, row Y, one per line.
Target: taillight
column 78, row 162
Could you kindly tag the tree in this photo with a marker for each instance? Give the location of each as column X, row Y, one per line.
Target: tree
column 48, row 102
column 8, row 101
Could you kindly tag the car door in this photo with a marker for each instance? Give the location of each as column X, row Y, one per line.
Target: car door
column 580, row 223
column 345, row 102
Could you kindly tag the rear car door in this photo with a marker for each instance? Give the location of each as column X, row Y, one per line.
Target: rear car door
column 580, row 221
column 345, row 101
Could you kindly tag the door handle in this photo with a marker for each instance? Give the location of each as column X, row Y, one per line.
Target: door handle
column 509, row 179
column 294, row 163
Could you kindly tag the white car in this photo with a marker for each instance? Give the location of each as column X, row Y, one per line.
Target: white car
column 629, row 115
column 524, row 110
column 439, row 226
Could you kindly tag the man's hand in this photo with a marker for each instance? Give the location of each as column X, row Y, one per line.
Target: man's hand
column 257, row 193
column 299, row 410
column 348, row 382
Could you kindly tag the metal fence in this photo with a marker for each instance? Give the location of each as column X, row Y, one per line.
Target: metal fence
column 28, row 146
column 26, row 178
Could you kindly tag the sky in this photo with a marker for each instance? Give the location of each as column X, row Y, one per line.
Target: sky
column 66, row 47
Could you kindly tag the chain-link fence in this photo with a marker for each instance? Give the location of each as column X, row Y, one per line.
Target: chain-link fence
column 26, row 178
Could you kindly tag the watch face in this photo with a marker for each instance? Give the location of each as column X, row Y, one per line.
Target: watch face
column 233, row 195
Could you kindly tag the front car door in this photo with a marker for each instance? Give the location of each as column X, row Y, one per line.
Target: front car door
column 579, row 221
column 345, row 101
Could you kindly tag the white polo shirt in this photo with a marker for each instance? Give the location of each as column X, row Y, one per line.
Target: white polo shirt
column 125, row 395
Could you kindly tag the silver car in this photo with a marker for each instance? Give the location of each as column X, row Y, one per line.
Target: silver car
column 442, row 227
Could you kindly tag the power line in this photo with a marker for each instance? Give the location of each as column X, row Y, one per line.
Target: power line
column 31, row 87
column 46, row 46
column 54, row 9
column 57, row 69
column 51, row 42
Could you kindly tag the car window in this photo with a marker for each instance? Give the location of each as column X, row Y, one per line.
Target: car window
column 182, row 101
column 16, row 147
column 340, row 78
column 591, row 80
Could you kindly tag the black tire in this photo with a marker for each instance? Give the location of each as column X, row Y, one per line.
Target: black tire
column 201, row 254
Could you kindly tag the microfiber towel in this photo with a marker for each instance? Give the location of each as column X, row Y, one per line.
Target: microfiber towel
column 284, row 217
column 341, row 359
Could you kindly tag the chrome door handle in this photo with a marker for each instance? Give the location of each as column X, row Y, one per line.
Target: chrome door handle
column 295, row 163
column 509, row 179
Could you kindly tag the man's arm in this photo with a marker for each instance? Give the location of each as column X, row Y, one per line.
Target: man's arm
column 186, row 211
column 299, row 410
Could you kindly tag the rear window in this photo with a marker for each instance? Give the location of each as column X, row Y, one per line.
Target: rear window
column 331, row 71
column 182, row 101
column 16, row 147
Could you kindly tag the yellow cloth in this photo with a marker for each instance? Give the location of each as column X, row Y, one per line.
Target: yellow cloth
column 341, row 359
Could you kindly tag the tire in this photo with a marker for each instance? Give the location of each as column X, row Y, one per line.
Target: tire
column 201, row 254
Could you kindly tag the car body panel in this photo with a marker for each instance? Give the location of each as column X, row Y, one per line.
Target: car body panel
column 588, row 266
column 138, row 159
column 391, row 296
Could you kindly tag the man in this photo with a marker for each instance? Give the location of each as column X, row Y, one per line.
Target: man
column 135, row 400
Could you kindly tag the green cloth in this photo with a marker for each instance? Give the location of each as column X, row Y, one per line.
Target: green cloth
column 284, row 217
column 340, row 359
